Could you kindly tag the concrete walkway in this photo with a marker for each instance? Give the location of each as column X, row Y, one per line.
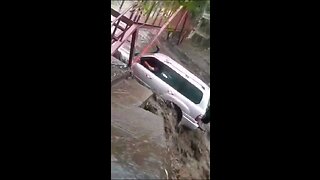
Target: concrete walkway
column 137, row 136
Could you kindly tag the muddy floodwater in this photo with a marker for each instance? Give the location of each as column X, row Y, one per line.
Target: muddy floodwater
column 189, row 151
column 146, row 142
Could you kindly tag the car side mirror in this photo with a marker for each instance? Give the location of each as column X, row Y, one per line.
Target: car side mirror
column 136, row 53
column 157, row 49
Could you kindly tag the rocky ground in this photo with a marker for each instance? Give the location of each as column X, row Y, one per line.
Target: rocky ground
column 189, row 151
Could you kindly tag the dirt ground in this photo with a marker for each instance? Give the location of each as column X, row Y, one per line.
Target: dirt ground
column 189, row 151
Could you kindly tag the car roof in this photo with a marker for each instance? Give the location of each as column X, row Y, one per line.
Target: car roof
column 180, row 69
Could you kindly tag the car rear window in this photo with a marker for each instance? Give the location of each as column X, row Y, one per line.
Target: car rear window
column 176, row 81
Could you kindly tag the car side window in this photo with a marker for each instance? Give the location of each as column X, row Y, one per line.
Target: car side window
column 151, row 64
column 179, row 83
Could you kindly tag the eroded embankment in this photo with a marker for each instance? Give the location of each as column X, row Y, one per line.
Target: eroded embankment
column 189, row 151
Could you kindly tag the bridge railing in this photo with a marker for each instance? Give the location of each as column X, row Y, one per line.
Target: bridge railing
column 124, row 25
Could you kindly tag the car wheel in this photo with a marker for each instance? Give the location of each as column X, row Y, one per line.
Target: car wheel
column 179, row 113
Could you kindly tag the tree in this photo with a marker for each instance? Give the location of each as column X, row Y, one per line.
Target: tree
column 195, row 7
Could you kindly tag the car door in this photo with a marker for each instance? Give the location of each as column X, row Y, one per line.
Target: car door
column 179, row 91
column 148, row 78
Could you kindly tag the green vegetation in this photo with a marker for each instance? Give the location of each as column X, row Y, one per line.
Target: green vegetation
column 195, row 7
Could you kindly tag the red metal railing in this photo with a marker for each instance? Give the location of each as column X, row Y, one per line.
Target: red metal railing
column 146, row 49
column 125, row 25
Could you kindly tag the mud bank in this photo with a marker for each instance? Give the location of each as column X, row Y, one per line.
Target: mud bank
column 189, row 151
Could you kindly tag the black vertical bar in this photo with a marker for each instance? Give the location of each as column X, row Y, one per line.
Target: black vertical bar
column 115, row 28
column 133, row 42
column 121, row 5
column 183, row 37
column 171, row 10
column 157, row 15
column 139, row 16
column 156, row 5
column 150, row 12
column 132, row 12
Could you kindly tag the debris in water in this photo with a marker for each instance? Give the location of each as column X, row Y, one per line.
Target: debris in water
column 165, row 170
column 188, row 150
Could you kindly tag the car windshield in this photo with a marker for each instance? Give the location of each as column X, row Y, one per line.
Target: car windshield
column 173, row 79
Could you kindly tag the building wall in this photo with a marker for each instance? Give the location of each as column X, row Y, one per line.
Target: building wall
column 201, row 35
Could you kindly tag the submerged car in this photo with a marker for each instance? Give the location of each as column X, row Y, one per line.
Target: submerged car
column 174, row 83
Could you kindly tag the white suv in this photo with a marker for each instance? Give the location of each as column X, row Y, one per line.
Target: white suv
column 171, row 81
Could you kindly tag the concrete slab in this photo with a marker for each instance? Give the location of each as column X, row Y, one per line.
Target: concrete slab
column 139, row 124
column 129, row 93
column 126, row 114
column 138, row 149
column 117, row 62
column 133, row 158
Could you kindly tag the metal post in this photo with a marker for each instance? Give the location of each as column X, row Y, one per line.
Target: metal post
column 171, row 10
column 184, row 23
column 157, row 14
column 180, row 20
column 163, row 15
column 150, row 12
column 156, row 5
column 183, row 37
column 136, row 16
column 139, row 16
column 133, row 42
column 115, row 29
column 121, row 5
